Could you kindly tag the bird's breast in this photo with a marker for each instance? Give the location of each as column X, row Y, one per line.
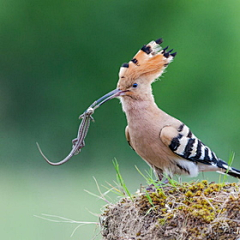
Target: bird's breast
column 144, row 136
column 144, row 132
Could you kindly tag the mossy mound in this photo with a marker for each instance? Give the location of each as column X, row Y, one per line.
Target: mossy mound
column 199, row 210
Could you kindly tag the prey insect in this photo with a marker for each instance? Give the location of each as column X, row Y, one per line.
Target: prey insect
column 79, row 142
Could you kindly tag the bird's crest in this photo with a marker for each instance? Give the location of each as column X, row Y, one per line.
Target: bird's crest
column 149, row 62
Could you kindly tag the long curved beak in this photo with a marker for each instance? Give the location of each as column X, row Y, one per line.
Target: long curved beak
column 113, row 94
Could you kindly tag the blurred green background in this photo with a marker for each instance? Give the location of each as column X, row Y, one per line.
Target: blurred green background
column 57, row 57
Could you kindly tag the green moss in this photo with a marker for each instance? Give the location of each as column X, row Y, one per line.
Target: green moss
column 198, row 210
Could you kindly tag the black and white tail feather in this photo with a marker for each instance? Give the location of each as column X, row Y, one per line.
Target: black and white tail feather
column 188, row 146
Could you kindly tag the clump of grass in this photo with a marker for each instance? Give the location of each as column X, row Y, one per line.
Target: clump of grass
column 196, row 210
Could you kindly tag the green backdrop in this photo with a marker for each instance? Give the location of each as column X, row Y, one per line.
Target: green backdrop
column 57, row 57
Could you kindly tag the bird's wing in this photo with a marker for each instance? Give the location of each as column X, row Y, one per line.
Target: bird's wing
column 186, row 145
column 128, row 137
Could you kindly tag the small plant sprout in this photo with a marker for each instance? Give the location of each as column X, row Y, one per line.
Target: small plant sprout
column 230, row 162
column 120, row 180
column 102, row 196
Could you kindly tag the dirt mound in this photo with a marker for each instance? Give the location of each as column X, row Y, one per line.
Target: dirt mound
column 199, row 210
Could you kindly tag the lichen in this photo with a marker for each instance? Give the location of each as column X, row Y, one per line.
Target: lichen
column 198, row 210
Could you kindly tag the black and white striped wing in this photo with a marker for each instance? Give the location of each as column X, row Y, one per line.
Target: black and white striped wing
column 185, row 144
column 188, row 146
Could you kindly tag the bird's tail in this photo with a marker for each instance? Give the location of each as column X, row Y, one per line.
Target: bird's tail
column 226, row 169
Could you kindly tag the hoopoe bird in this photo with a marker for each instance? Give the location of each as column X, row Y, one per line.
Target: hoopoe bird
column 163, row 141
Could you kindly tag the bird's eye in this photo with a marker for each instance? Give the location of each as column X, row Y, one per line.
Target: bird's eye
column 134, row 85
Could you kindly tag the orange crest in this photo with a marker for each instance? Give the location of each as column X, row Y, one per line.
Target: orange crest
column 149, row 62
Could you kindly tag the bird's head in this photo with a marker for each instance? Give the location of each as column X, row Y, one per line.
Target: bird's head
column 136, row 76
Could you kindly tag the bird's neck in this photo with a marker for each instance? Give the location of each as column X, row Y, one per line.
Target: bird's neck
column 139, row 109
